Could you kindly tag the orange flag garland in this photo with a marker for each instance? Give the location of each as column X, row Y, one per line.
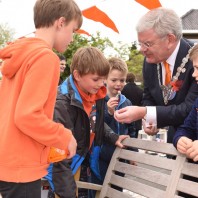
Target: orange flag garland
column 150, row 4
column 97, row 15
column 81, row 31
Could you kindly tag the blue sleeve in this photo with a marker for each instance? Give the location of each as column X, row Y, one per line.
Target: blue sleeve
column 130, row 126
column 107, row 117
column 131, row 130
column 189, row 128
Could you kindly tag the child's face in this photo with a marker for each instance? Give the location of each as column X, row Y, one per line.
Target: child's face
column 195, row 65
column 115, row 82
column 90, row 83
column 62, row 65
column 64, row 34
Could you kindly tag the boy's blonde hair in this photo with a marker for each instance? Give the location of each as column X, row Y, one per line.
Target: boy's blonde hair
column 46, row 12
column 89, row 60
column 194, row 52
column 118, row 64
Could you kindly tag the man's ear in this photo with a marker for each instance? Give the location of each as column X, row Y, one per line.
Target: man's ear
column 172, row 38
column 171, row 41
column 76, row 75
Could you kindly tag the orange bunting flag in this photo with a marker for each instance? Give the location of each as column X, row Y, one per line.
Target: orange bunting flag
column 80, row 31
column 150, row 4
column 97, row 15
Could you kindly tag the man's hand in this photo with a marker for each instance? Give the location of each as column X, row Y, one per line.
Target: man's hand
column 150, row 129
column 120, row 139
column 72, row 147
column 130, row 114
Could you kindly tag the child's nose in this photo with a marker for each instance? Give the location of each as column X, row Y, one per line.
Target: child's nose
column 101, row 83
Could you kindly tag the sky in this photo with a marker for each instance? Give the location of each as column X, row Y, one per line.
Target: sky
column 18, row 15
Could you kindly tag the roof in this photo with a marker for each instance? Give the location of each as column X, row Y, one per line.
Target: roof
column 189, row 20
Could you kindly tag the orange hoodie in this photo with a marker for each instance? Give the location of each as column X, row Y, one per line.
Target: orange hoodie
column 27, row 97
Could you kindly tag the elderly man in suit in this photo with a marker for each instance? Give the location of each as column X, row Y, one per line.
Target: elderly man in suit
column 169, row 88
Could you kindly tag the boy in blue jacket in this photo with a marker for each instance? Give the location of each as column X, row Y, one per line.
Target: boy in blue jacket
column 114, row 100
column 186, row 136
column 80, row 107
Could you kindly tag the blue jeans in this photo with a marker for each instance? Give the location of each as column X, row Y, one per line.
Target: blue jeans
column 20, row 190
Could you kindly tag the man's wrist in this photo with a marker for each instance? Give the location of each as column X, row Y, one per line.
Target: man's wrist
column 150, row 115
column 144, row 112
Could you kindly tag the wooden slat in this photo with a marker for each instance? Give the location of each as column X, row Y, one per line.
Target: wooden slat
column 153, row 160
column 175, row 176
column 190, row 169
column 112, row 193
column 88, row 185
column 188, row 187
column 143, row 173
column 154, row 146
column 109, row 173
column 136, row 187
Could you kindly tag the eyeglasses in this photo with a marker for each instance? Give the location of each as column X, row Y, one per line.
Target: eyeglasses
column 148, row 45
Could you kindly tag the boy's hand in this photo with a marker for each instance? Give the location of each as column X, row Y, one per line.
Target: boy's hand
column 184, row 144
column 120, row 139
column 112, row 104
column 192, row 151
column 72, row 148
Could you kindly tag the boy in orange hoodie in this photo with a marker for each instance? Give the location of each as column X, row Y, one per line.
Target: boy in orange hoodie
column 27, row 97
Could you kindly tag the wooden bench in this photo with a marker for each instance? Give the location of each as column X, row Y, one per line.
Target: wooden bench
column 154, row 176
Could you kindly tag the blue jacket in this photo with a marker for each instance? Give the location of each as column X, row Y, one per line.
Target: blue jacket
column 119, row 128
column 70, row 112
column 190, row 127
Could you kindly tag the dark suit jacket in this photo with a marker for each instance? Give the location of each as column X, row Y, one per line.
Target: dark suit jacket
column 174, row 113
column 134, row 94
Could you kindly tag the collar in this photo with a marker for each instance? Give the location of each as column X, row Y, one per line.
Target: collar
column 172, row 58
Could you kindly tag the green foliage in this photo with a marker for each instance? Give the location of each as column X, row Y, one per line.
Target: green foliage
column 130, row 54
column 6, row 34
column 135, row 62
column 95, row 41
column 81, row 41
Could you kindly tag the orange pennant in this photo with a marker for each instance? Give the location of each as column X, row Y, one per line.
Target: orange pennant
column 150, row 4
column 80, row 31
column 97, row 15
